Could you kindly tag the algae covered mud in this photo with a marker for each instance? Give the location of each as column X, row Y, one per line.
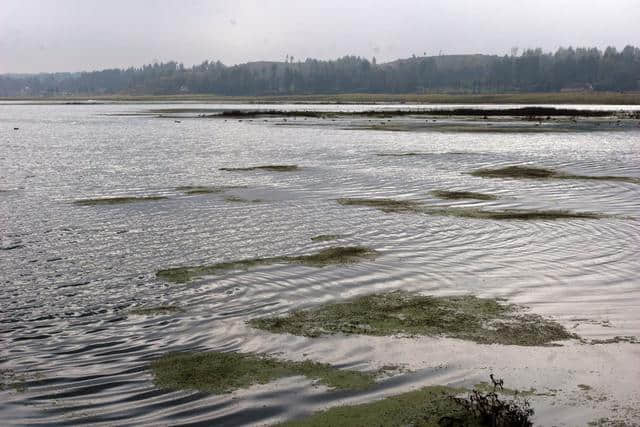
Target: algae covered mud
column 366, row 273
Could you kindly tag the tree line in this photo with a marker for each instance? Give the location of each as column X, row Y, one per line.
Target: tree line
column 567, row 69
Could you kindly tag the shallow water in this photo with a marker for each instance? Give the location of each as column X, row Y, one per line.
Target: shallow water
column 70, row 273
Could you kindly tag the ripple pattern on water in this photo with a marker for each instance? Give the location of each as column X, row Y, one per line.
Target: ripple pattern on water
column 71, row 273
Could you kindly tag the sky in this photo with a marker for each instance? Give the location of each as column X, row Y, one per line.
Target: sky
column 79, row 35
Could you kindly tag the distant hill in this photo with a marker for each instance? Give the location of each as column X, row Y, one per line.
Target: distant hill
column 581, row 69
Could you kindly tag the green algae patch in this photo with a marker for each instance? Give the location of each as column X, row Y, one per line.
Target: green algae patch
column 116, row 200
column 385, row 205
column 224, row 372
column 160, row 310
column 461, row 195
column 529, row 172
column 427, row 407
column 485, row 321
column 326, row 237
column 329, row 256
column 271, row 168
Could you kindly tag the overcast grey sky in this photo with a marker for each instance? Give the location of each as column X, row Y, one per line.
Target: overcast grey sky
column 74, row 35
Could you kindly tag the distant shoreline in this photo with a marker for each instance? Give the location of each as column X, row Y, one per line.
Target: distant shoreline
column 569, row 98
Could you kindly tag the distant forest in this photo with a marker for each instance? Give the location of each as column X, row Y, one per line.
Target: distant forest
column 568, row 69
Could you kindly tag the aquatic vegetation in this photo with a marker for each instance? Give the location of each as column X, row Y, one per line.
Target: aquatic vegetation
column 514, row 172
column 459, row 195
column 116, row 200
column 485, row 321
column 326, row 237
column 530, row 172
column 410, row 206
column 424, row 407
column 223, row 372
column 271, row 168
column 429, row 406
column 155, row 311
column 335, row 255
column 233, row 198
column 409, row 154
column 511, row 214
column 191, row 189
column 385, row 205
column 615, row 340
column 10, row 379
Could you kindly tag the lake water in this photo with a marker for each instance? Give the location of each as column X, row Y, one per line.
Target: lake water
column 69, row 274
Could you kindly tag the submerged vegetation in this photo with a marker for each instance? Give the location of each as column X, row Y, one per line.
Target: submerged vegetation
column 512, row 214
column 481, row 320
column 408, row 154
column 272, row 168
column 385, row 205
column 116, row 200
column 199, row 189
column 155, row 311
column 530, row 172
column 410, row 206
column 460, row 195
column 335, row 255
column 430, row 407
column 326, row 237
column 424, row 407
column 238, row 199
column 223, row 372
column 10, row 379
